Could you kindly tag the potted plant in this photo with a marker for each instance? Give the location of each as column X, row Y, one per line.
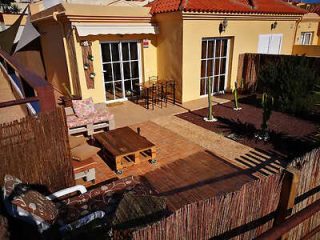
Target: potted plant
column 92, row 75
column 90, row 57
column 86, row 66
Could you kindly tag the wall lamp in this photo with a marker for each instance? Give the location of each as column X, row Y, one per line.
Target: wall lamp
column 274, row 25
column 223, row 25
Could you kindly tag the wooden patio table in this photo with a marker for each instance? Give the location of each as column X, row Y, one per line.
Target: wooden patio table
column 125, row 147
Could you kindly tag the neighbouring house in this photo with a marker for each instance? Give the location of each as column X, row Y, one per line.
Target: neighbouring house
column 308, row 32
column 104, row 51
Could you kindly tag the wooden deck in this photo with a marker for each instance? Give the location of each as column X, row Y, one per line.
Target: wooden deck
column 185, row 172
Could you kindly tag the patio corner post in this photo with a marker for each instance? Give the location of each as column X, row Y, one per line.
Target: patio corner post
column 210, row 117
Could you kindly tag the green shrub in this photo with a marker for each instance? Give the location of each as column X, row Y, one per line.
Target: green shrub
column 291, row 82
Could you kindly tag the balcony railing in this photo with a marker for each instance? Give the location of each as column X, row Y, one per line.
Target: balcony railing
column 30, row 89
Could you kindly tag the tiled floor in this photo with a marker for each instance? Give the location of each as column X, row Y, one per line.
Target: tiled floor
column 129, row 113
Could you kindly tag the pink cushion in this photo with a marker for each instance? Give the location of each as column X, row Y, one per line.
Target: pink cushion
column 74, row 121
column 102, row 117
column 83, row 108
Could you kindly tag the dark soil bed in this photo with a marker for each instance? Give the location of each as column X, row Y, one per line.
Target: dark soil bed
column 289, row 136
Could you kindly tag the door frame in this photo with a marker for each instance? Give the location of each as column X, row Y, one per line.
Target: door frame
column 121, row 68
column 227, row 63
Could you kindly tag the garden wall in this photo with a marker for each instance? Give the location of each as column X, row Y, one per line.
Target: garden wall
column 36, row 151
column 251, row 63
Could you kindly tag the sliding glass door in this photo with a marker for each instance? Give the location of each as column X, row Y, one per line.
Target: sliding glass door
column 214, row 64
column 121, row 69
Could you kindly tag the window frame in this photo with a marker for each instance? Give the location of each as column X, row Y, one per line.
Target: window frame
column 303, row 38
column 206, row 59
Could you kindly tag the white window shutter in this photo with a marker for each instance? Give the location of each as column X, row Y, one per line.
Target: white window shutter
column 275, row 44
column 263, row 45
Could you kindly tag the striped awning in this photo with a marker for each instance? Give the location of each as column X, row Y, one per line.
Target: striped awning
column 86, row 30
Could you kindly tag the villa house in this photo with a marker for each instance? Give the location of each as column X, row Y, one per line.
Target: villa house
column 104, row 51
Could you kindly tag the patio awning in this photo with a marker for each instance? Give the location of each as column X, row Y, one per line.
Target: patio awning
column 86, row 30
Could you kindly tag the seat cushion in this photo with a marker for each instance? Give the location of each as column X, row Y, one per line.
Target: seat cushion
column 102, row 117
column 84, row 108
column 74, row 121
column 99, row 198
column 83, row 152
column 76, row 141
column 20, row 195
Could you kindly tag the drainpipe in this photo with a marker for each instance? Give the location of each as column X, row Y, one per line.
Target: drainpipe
column 65, row 45
column 295, row 32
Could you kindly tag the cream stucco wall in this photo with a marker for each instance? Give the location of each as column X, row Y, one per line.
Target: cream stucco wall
column 244, row 35
column 148, row 61
column 311, row 26
column 170, row 49
column 54, row 56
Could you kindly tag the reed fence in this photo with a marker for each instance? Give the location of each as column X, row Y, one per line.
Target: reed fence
column 244, row 214
column 308, row 191
column 36, row 151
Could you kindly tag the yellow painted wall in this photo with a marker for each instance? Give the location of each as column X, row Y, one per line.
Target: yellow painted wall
column 148, row 61
column 54, row 55
column 170, row 49
column 311, row 26
column 245, row 37
column 9, row 19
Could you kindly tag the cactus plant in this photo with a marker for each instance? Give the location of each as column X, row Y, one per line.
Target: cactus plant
column 267, row 104
column 210, row 117
column 235, row 94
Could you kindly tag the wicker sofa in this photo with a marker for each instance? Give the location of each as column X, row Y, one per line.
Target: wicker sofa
column 82, row 120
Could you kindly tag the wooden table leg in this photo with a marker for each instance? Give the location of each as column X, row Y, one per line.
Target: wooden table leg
column 119, row 167
column 137, row 158
column 153, row 155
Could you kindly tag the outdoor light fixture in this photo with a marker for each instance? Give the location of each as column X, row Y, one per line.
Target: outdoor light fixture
column 223, row 25
column 274, row 25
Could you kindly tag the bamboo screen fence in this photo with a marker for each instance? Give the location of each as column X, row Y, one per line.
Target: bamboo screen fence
column 308, row 191
column 243, row 215
column 36, row 151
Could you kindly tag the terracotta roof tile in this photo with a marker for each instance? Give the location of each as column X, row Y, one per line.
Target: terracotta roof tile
column 226, row 6
column 315, row 9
